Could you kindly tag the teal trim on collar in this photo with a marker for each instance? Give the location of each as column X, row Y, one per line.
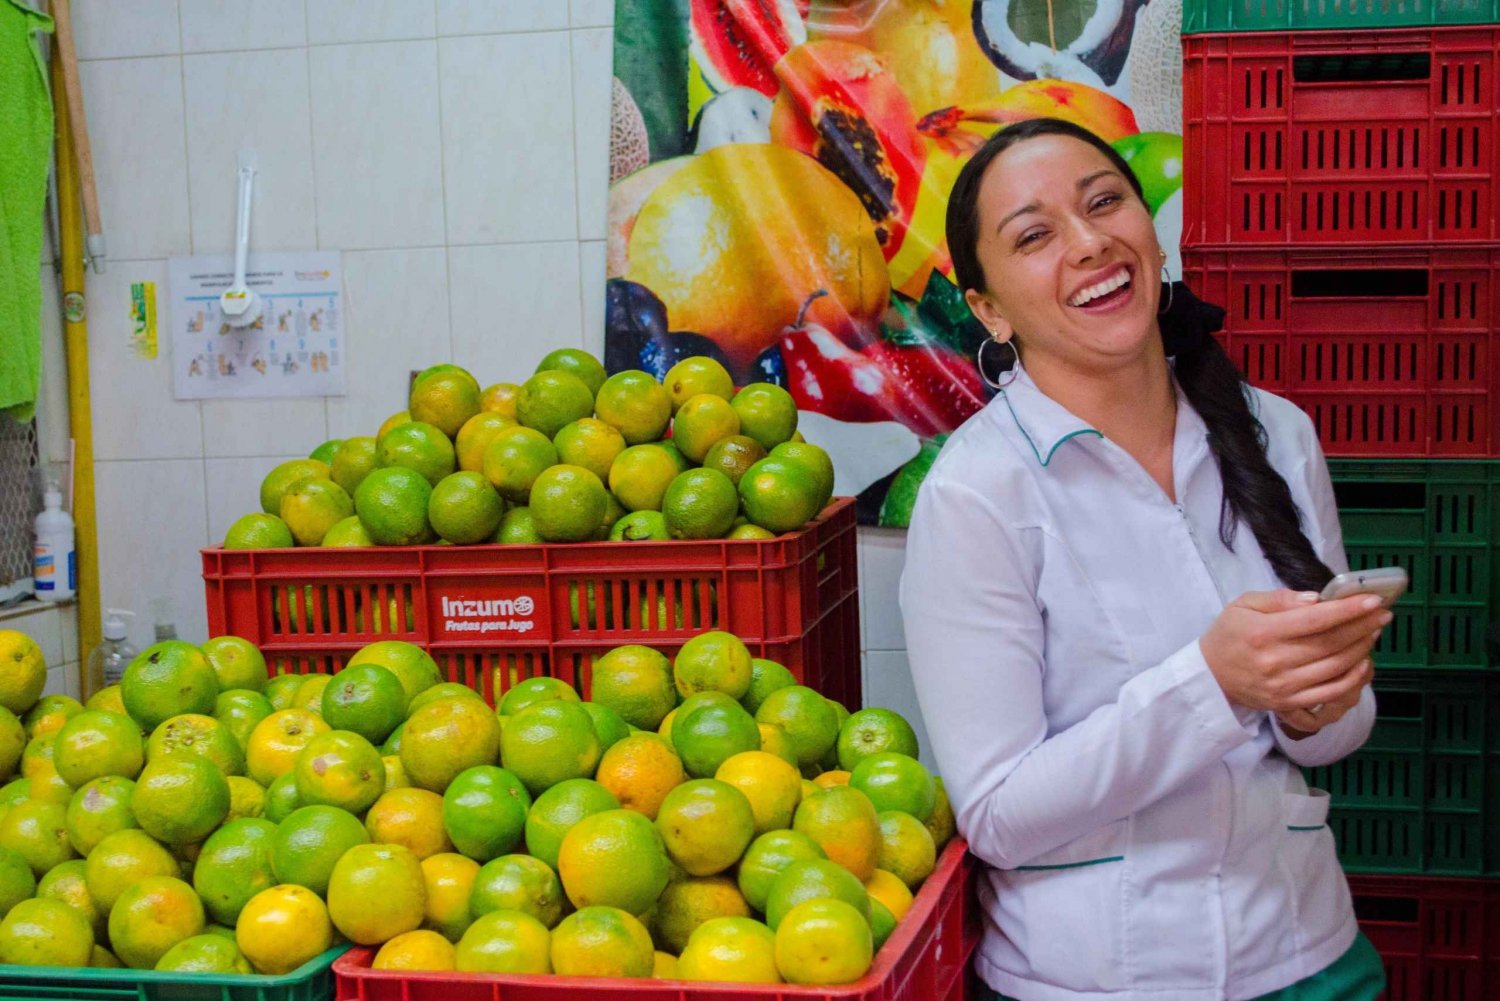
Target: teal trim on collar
column 1315, row 827
column 1070, row 865
column 1055, row 445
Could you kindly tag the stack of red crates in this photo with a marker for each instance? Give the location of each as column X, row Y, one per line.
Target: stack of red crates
column 1340, row 201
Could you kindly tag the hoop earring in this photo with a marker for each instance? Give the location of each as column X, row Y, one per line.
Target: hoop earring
column 1166, row 279
column 1012, row 368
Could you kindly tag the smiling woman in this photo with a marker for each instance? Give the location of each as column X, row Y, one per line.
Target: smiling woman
column 1109, row 619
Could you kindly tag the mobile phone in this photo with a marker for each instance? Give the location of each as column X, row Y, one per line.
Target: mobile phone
column 1388, row 582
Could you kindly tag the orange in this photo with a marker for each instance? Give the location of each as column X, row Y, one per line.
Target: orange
column 45, row 933
column 517, row 528
column 639, row 526
column 823, row 942
column 247, row 798
column 813, row 459
column 576, row 362
column 896, row 782
column 102, row 959
column 732, row 950
column 206, row 953
column 882, row 923
column 123, row 859
column 49, row 714
column 767, row 413
column 843, row 823
column 412, row 666
column 640, row 475
column 695, row 375
column 773, row 740
column 590, row 443
column 397, row 419
column 281, row 798
column 779, row 494
column 907, row 850
column 151, row 917
column 893, row 894
column 613, row 512
column 442, row 690
column 534, row 691
column 341, row 769
column 705, row 826
column 636, row 403
column 602, row 942
column 713, row 661
column 283, row 927
column 179, row 799
column 733, row 455
column 707, row 735
column 808, row 719
column 547, row 743
column 23, row 671
column 310, row 693
column 505, row 942
column 395, row 772
column 38, row 765
column 411, row 818
column 326, row 451
column 66, row 883
column 518, row 883
column 688, row 903
column 309, row 842
column 464, row 508
column 106, row 699
column 416, row 950
column 827, row 780
column 312, row 506
column 813, row 879
column 38, row 832
column 444, row 738
column 418, row 446
column 699, row 504
column 475, row 436
column 871, row 731
column 550, row 400
column 94, row 744
column 234, row 865
column 449, row 880
column 354, row 461
column 18, row 882
column 636, row 682
column 366, row 699
column 615, row 859
column 281, row 690
column 166, row 679
column 349, row 533
column 941, row 825
column 278, row 740
column 664, row 966
column 701, row 422
column 568, row 503
column 97, row 810
column 389, row 874
column 392, row 505
column 640, row 770
column 236, row 663
column 13, row 735
column 771, row 785
column 279, row 479
column 514, row 458
column 445, row 400
column 500, row 399
column 258, row 531
column 201, row 736
column 747, row 531
column 555, row 811
column 484, row 811
column 608, row 726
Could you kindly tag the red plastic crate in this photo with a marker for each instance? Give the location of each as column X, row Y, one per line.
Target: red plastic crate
column 496, row 615
column 925, row 959
column 1392, row 352
column 1339, row 137
column 1439, row 938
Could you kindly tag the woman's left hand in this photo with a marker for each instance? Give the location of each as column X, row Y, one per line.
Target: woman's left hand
column 1300, row 723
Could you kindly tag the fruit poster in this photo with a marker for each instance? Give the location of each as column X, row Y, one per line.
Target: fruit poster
column 779, row 172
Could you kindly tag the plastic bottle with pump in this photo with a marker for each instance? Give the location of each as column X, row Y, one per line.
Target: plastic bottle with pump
column 108, row 660
column 55, row 567
column 161, row 614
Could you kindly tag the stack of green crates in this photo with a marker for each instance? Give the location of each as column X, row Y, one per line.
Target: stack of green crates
column 1200, row 16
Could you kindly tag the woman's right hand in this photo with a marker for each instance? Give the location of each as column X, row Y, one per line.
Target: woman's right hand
column 1281, row 651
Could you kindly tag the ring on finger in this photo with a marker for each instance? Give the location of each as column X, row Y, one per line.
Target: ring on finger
column 1314, row 710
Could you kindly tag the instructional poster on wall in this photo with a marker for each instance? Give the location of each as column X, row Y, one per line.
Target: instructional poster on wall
column 295, row 347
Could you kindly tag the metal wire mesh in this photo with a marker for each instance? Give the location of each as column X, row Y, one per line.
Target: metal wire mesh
column 19, row 502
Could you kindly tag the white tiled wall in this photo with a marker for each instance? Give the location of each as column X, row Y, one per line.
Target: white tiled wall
column 454, row 150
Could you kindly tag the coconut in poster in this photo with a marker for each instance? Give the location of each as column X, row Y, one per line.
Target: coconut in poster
column 779, row 172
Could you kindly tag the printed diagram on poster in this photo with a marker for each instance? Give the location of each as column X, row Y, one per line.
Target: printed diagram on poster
column 295, row 348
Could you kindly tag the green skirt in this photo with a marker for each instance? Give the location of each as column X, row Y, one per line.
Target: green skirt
column 1357, row 975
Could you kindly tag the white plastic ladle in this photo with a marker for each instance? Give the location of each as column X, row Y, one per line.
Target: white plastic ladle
column 240, row 305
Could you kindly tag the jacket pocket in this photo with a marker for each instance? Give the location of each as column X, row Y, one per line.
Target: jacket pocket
column 1315, row 882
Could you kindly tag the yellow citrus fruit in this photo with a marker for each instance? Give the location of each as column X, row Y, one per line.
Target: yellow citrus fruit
column 445, row 400
column 590, row 443
column 354, row 461
column 94, row 744
column 39, row 765
column 13, row 735
column 941, row 825
column 259, row 531
column 102, row 959
column 392, row 422
column 577, row 362
column 412, row 666
column 445, row 737
column 699, row 504
column 236, row 663
column 613, row 512
column 770, row 784
column 767, row 413
column 823, row 942
column 310, row 841
column 23, row 671
column 418, row 446
column 38, row 832
column 550, row 400
column 827, row 780
column 207, row 953
column 535, row 691
column 449, row 879
column 639, row 526
column 750, row 532
column 123, row 859
column 812, row 458
column 687, row 903
column 517, row 528
column 890, row 891
column 639, row 771
column 615, row 859
column 813, row 879
column 247, row 798
column 547, row 743
column 464, row 508
column 484, row 811
column 66, row 883
column 179, row 799
column 608, row 725
column 350, row 533
column 392, row 505
column 907, row 850
column 779, row 495
column 475, row 436
column 708, row 734
column 49, row 714
column 366, row 699
column 568, row 503
column 809, row 721
column 518, row 883
column 325, row 452
column 664, row 967
column 602, row 942
column 199, row 735
column 773, row 740
column 694, row 376
column 705, row 826
column 500, row 399
column 730, row 950
column 279, row 479
column 18, row 882
column 282, row 927
column 234, row 865
column 281, row 798
column 514, row 458
column 340, row 768
column 843, row 822
column 151, row 917
column 281, row 691
column 309, row 695
column 442, row 690
column 640, row 475
column 896, row 782
column 505, row 942
column 416, row 950
column 882, row 922
column 166, row 679
column 701, row 422
column 395, row 772
column 98, row 809
column 635, row 403
column 277, row 740
column 872, row 731
column 411, row 818
column 555, row 811
column 713, row 661
column 45, row 933
column 310, row 507
column 636, row 682
column 389, row 874
column 732, row 455
column 106, row 699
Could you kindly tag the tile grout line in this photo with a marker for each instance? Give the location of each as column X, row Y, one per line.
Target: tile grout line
column 443, row 182
column 312, row 166
column 328, row 45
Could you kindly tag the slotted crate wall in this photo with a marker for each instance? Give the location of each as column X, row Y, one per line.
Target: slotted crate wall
column 1439, row 938
column 1336, row 15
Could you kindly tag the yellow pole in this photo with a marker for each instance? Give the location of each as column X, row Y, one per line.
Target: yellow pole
column 76, row 338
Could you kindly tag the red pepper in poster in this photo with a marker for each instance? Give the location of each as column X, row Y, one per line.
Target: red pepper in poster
column 938, row 388
column 826, row 375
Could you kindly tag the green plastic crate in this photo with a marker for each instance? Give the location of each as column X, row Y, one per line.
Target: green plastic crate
column 312, row 981
column 1200, row 16
column 1423, row 795
column 1441, row 521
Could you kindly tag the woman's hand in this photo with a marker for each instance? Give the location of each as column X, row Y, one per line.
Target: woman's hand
column 1288, row 653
